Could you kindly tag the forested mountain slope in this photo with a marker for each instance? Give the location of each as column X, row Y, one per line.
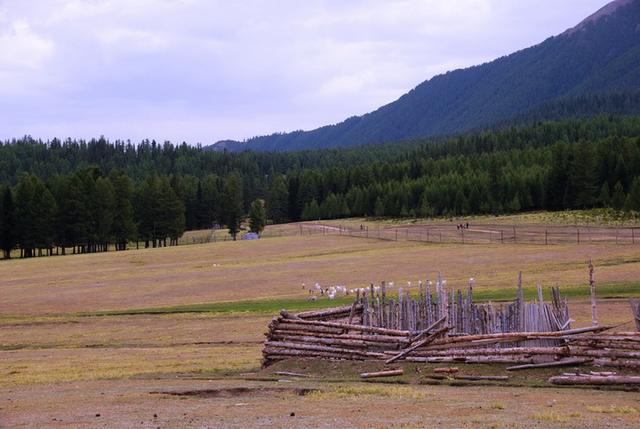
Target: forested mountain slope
column 89, row 194
column 598, row 58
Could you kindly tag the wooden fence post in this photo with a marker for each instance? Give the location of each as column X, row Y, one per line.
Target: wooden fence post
column 546, row 237
column 592, row 286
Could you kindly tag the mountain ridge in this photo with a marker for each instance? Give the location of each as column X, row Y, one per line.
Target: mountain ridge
column 599, row 56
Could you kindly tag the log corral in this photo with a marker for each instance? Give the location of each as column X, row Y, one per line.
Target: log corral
column 449, row 328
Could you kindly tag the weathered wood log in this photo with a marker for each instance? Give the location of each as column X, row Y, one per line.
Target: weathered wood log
column 493, row 351
column 384, row 339
column 287, row 315
column 482, row 377
column 292, row 374
column 635, row 310
column 420, row 343
column 563, row 362
column 596, row 380
column 610, row 353
column 303, row 346
column 289, row 354
column 420, row 334
column 296, row 326
column 617, row 363
column 513, row 359
column 335, row 341
column 348, row 327
column 332, row 312
column 389, row 373
column 449, row 370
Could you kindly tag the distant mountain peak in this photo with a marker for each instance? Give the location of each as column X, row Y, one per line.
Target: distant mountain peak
column 607, row 10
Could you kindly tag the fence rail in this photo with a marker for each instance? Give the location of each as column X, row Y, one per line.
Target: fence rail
column 484, row 234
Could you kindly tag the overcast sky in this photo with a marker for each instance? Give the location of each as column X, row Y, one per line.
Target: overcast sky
column 205, row 70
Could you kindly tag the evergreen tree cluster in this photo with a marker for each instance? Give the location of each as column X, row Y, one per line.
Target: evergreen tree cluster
column 87, row 195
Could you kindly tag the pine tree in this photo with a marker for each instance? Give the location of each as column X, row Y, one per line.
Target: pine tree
column 311, row 211
column 514, row 205
column 618, row 198
column 104, row 212
column 232, row 198
column 8, row 239
column 257, row 216
column 604, row 198
column 278, row 200
column 123, row 227
column 582, row 177
column 633, row 199
column 378, row 210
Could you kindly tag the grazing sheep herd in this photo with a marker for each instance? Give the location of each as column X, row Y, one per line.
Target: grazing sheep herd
column 331, row 292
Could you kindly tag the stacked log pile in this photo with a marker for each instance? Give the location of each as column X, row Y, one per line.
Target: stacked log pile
column 449, row 328
column 290, row 336
column 298, row 336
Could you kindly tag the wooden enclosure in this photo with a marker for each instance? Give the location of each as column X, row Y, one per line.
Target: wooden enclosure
column 447, row 327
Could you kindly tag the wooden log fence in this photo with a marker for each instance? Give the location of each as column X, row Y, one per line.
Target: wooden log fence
column 442, row 326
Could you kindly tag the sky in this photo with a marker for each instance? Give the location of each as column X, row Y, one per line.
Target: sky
column 206, row 70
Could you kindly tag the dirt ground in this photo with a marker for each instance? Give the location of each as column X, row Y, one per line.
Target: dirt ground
column 152, row 403
column 59, row 369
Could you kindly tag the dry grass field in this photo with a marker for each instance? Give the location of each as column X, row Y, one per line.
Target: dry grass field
column 72, row 349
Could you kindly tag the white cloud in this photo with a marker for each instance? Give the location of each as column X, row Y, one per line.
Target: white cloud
column 203, row 70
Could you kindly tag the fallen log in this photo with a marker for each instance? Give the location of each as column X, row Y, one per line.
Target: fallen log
column 420, row 334
column 389, row 373
column 597, row 380
column 302, row 346
column 372, row 338
column 308, row 354
column 482, row 377
column 449, row 370
column 336, row 342
column 470, row 377
column 563, row 362
column 492, row 351
column 473, row 359
column 420, row 343
column 292, row 374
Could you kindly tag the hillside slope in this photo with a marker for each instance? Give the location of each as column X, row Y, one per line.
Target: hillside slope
column 600, row 56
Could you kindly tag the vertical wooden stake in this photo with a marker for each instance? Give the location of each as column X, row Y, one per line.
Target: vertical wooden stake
column 592, row 286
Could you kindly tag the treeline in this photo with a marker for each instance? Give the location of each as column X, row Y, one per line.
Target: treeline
column 87, row 195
